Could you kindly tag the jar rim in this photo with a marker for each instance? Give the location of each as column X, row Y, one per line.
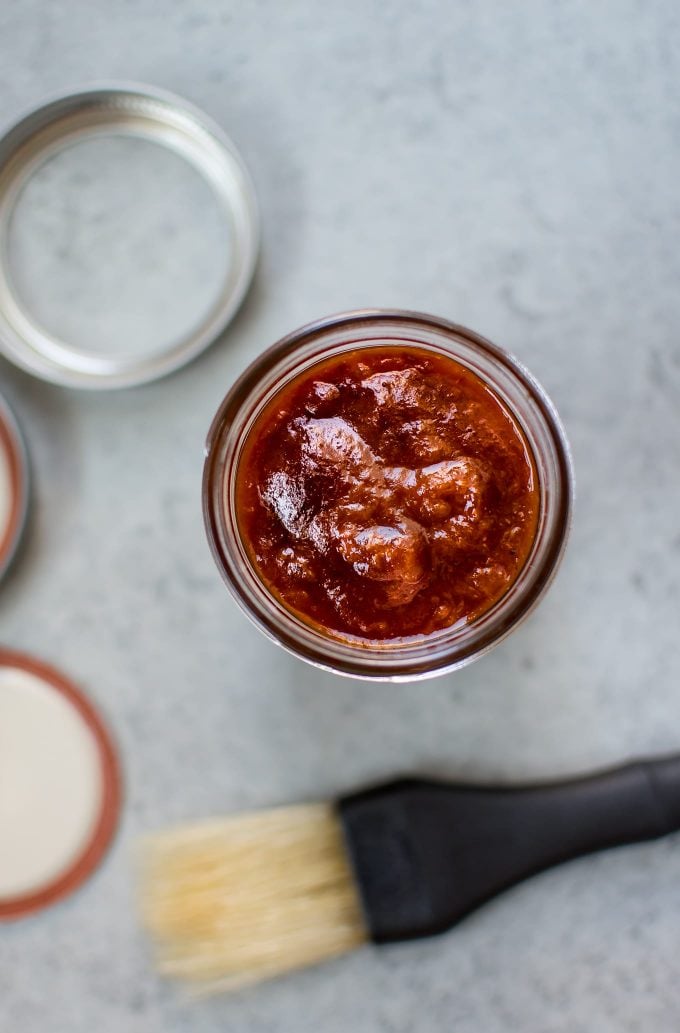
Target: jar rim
column 393, row 660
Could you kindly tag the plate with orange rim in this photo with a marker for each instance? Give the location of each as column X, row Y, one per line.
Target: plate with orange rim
column 14, row 486
column 60, row 786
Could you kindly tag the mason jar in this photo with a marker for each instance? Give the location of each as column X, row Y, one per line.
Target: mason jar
column 412, row 658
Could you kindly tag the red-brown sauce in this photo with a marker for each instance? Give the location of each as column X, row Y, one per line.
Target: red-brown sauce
column 386, row 493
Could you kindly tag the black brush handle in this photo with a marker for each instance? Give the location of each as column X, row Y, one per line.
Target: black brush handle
column 425, row 853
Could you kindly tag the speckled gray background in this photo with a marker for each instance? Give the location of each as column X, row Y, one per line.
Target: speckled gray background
column 513, row 166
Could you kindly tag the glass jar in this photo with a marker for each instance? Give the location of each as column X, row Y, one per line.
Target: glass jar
column 440, row 651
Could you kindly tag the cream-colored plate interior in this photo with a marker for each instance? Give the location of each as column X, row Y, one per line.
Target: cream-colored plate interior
column 51, row 784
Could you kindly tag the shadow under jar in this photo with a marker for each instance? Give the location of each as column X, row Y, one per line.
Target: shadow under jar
column 387, row 494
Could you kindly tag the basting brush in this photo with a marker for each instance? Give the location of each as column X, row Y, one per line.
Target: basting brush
column 236, row 900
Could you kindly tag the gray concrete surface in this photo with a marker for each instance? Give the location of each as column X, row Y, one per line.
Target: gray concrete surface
column 514, row 167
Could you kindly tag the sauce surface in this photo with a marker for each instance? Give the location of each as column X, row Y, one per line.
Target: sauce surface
column 386, row 493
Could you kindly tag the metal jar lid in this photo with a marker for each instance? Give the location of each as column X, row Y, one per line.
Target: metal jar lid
column 158, row 117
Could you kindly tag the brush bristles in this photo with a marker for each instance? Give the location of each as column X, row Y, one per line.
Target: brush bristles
column 236, row 900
